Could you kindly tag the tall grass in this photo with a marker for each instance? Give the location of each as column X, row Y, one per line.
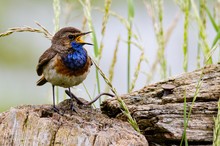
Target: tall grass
column 187, row 116
column 205, row 47
column 97, row 50
column 216, row 133
column 202, row 14
column 157, row 18
column 153, row 12
column 160, row 39
column 138, row 67
column 86, row 5
column 129, row 36
column 185, row 121
column 185, row 36
column 207, row 52
column 104, row 23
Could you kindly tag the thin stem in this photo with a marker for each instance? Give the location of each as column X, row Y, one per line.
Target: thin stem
column 87, row 12
column 198, row 87
column 90, row 97
column 136, row 73
column 123, row 106
column 112, row 67
column 185, row 36
column 202, row 34
column 216, row 133
column 185, row 121
column 104, row 23
column 129, row 28
column 129, row 59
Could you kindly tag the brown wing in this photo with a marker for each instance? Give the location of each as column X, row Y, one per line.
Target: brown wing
column 41, row 81
column 44, row 59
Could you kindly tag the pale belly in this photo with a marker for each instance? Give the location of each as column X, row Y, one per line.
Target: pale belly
column 58, row 79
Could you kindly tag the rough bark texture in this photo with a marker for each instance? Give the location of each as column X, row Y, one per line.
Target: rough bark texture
column 39, row 126
column 159, row 113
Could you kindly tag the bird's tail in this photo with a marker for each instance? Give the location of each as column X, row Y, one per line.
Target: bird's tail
column 41, row 81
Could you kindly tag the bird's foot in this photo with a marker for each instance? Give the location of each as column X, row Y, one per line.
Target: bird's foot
column 57, row 110
column 73, row 108
column 72, row 96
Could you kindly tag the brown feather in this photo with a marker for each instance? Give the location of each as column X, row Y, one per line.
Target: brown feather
column 44, row 59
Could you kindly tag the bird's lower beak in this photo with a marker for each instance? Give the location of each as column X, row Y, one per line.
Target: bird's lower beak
column 80, row 40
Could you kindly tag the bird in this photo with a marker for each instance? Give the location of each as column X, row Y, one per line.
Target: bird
column 66, row 63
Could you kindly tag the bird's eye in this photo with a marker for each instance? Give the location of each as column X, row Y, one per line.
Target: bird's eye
column 70, row 37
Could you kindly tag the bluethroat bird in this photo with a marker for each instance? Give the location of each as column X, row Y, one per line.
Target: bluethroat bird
column 66, row 63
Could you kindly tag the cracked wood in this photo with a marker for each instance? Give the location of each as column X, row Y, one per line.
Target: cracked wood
column 160, row 116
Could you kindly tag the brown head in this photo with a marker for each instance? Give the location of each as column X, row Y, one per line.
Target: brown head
column 67, row 35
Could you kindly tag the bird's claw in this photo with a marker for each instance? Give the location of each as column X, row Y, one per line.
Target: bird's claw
column 57, row 110
column 72, row 108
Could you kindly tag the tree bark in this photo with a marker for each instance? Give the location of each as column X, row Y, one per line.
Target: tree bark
column 159, row 111
column 39, row 125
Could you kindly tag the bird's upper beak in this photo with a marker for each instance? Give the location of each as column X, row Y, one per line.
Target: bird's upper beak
column 79, row 38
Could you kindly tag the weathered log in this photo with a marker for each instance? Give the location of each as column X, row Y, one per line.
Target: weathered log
column 39, row 125
column 159, row 111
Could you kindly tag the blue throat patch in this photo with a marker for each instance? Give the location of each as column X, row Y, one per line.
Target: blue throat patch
column 77, row 59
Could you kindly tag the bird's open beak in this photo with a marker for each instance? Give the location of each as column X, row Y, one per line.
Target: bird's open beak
column 79, row 38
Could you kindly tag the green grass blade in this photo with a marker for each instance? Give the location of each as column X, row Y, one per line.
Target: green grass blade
column 130, row 10
column 129, row 59
column 216, row 131
column 113, row 63
column 216, row 39
column 214, row 24
column 205, row 46
column 185, row 35
column 104, row 23
column 95, row 42
column 87, row 92
column 129, row 30
column 161, row 40
column 123, row 106
column 136, row 73
column 198, row 86
column 87, row 12
column 184, row 137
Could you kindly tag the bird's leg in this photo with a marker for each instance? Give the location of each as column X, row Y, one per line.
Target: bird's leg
column 54, row 105
column 71, row 106
column 71, row 95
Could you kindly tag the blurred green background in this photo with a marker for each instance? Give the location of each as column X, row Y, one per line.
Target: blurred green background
column 19, row 52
